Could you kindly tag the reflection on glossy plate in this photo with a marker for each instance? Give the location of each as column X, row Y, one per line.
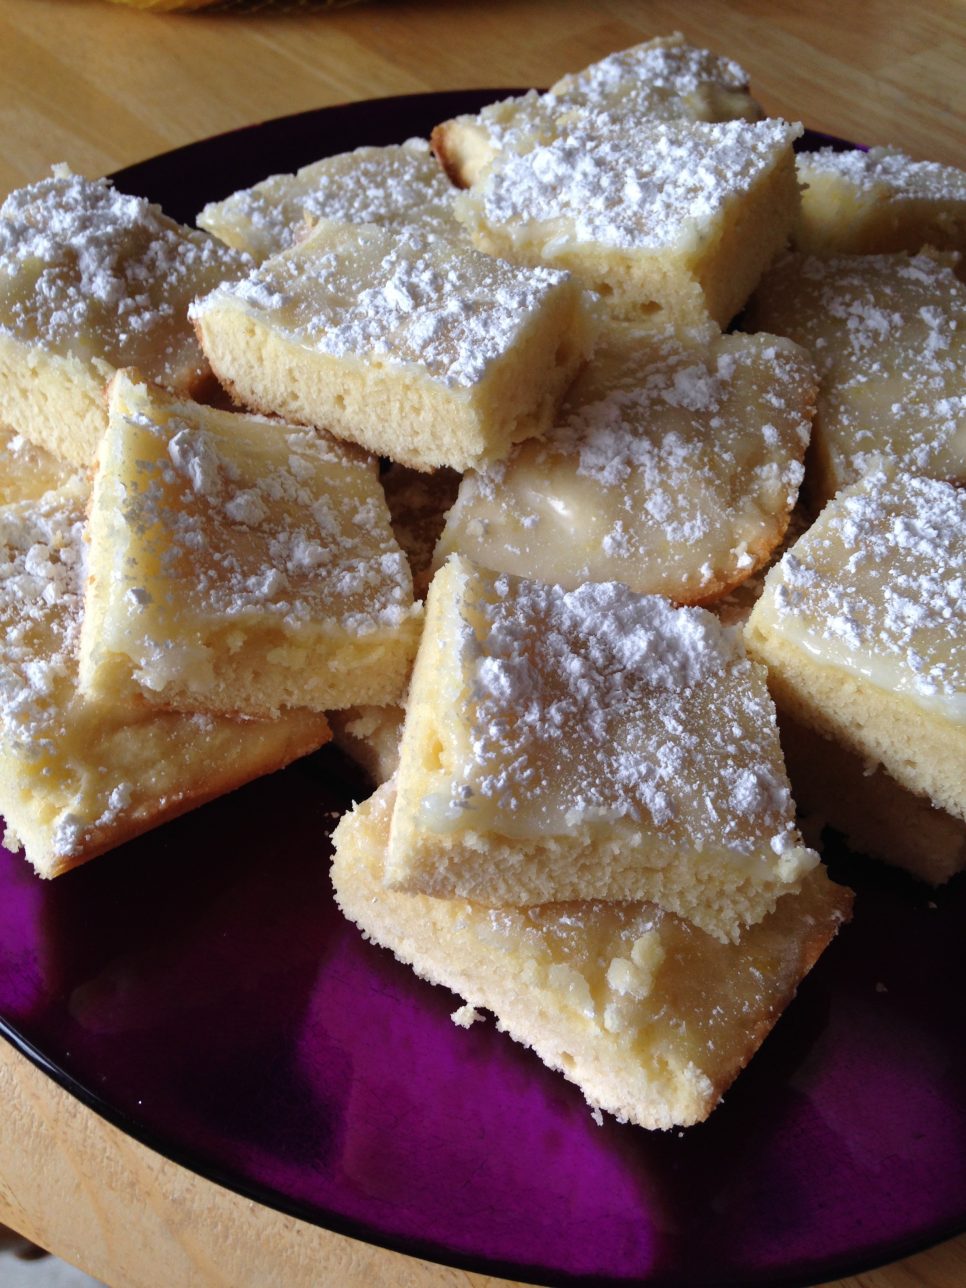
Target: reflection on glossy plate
column 199, row 988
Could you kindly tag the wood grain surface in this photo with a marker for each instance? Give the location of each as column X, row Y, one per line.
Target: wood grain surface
column 101, row 86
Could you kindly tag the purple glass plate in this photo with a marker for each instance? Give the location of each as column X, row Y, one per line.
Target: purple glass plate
column 199, row 988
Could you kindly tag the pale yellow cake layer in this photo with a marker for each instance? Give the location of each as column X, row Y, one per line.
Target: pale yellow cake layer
column 239, row 565
column 888, row 335
column 589, row 744
column 877, row 202
column 924, row 755
column 669, row 221
column 54, row 401
column 78, row 777
column 92, row 280
column 835, row 788
column 664, row 79
column 862, row 628
column 26, row 470
column 416, row 348
column 672, row 467
column 398, row 186
column 651, row 1018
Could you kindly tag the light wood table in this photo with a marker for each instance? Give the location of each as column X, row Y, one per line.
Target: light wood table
column 101, row 87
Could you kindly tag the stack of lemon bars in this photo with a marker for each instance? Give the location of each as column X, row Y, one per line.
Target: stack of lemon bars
column 582, row 819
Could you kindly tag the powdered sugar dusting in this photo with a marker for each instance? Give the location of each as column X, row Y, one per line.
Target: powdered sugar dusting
column 881, row 577
column 88, row 271
column 41, row 602
column 407, row 299
column 888, row 334
column 662, row 80
column 647, row 188
column 669, row 460
column 620, row 434
column 886, row 169
column 291, row 529
column 624, row 682
column 397, row 186
column 656, row 79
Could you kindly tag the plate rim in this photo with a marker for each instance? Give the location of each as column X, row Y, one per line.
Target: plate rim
column 820, row 1272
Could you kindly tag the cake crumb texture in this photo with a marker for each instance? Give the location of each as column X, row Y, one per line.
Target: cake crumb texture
column 862, row 625
column 414, row 347
column 650, row 1017
column 79, row 777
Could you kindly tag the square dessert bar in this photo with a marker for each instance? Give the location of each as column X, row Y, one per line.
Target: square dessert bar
column 240, row 565
column 676, row 219
column 862, row 626
column 395, row 187
column 650, row 1017
column 888, row 335
column 78, row 777
column 665, row 79
column 590, row 744
column 92, row 280
column 875, row 202
column 417, row 348
column 672, row 467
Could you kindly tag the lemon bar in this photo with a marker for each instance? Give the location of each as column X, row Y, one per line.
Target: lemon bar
column 26, row 470
column 591, row 744
column 665, row 79
column 92, row 280
column 651, row 1018
column 78, row 777
column 672, row 468
column 417, row 348
column 862, row 627
column 888, row 335
column 240, row 565
column 676, row 220
column 876, row 202
column 395, row 187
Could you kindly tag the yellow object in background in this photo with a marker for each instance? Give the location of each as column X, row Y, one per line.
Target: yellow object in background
column 168, row 4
